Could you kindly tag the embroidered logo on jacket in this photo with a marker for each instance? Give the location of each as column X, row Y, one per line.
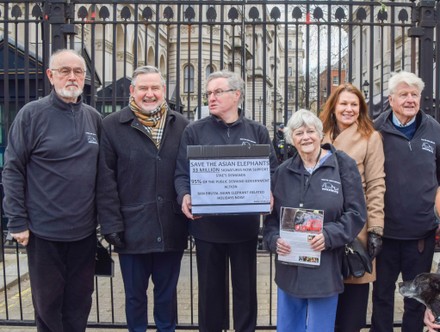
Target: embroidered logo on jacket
column 91, row 138
column 330, row 186
column 246, row 141
column 428, row 145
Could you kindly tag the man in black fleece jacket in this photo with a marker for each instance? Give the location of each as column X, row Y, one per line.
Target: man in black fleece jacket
column 49, row 182
column 411, row 141
column 224, row 238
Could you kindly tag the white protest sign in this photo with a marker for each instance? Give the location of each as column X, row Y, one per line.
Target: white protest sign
column 225, row 186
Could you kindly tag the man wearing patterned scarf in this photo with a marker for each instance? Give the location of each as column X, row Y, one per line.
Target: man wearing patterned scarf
column 137, row 206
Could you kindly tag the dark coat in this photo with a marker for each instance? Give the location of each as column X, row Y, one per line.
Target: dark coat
column 136, row 184
column 334, row 187
column 412, row 169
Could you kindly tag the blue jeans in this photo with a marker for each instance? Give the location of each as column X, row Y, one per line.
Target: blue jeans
column 306, row 315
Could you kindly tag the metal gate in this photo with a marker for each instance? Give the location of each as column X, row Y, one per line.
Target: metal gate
column 292, row 54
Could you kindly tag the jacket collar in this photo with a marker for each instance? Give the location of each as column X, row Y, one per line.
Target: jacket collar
column 295, row 163
column 385, row 120
column 221, row 122
column 348, row 132
column 61, row 105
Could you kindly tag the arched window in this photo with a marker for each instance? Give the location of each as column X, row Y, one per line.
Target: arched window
column 209, row 70
column 188, row 83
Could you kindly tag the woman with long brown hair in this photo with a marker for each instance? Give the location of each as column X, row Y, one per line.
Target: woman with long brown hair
column 348, row 127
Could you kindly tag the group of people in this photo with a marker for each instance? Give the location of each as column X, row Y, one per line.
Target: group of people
column 375, row 199
column 67, row 170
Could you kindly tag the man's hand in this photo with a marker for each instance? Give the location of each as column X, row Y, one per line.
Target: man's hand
column 271, row 201
column 187, row 206
column 374, row 244
column 429, row 321
column 22, row 237
column 116, row 239
column 437, row 203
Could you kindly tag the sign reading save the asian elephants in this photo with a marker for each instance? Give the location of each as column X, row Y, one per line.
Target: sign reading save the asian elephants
column 229, row 179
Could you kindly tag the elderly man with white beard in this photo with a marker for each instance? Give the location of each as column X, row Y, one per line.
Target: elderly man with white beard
column 49, row 181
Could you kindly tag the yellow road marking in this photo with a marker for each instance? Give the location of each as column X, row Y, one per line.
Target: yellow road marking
column 15, row 300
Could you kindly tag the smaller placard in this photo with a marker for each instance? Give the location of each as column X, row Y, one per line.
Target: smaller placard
column 298, row 227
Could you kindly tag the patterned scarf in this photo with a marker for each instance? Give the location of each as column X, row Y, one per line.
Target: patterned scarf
column 154, row 123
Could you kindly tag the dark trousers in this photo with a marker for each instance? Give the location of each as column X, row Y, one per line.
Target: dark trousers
column 410, row 257
column 164, row 269
column 61, row 276
column 212, row 262
column 351, row 315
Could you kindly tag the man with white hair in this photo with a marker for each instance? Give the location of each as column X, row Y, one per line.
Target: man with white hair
column 49, row 182
column 411, row 141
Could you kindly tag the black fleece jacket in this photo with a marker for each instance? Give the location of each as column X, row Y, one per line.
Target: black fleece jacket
column 50, row 169
column 412, row 168
column 213, row 131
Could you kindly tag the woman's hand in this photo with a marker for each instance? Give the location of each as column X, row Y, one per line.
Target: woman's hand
column 283, row 248
column 429, row 321
column 318, row 242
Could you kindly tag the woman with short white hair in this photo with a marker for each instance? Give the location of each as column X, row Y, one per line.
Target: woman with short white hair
column 315, row 178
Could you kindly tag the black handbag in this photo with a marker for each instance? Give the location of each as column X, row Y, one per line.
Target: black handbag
column 356, row 260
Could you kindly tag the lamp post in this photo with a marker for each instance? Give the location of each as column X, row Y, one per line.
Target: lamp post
column 366, row 89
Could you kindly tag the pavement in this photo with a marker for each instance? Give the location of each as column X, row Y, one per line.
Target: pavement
column 108, row 300
column 13, row 268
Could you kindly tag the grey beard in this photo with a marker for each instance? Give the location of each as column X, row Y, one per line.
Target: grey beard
column 69, row 93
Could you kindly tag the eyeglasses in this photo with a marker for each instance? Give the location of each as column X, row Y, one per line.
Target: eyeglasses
column 217, row 93
column 65, row 71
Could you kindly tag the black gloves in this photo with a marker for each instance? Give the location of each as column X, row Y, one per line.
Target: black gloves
column 374, row 244
column 116, row 239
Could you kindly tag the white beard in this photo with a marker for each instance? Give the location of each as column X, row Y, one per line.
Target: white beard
column 68, row 93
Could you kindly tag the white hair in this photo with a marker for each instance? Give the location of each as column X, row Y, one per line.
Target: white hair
column 300, row 119
column 405, row 77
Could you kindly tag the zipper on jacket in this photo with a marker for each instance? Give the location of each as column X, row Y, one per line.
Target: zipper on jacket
column 227, row 132
column 304, row 187
column 409, row 145
column 74, row 122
